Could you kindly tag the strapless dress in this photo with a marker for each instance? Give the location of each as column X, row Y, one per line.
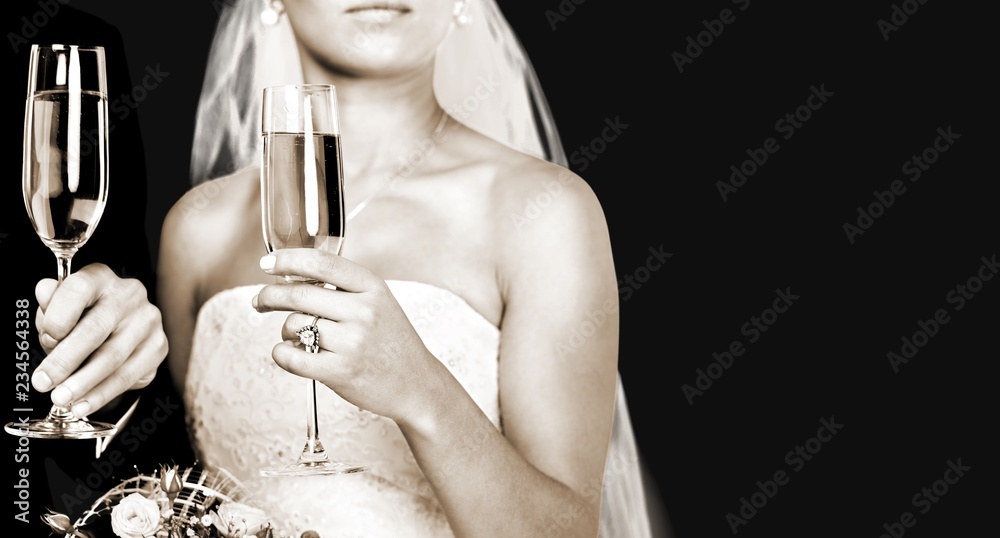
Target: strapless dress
column 244, row 412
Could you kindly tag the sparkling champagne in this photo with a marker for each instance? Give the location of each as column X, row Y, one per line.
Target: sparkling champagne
column 301, row 178
column 65, row 166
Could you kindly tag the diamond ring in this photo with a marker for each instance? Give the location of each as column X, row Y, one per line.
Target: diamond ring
column 309, row 336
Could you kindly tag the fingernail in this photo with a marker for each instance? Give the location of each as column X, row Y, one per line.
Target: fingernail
column 47, row 341
column 41, row 381
column 253, row 301
column 267, row 262
column 62, row 395
column 81, row 408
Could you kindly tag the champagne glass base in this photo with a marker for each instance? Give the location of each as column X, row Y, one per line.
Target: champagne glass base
column 313, row 468
column 60, row 429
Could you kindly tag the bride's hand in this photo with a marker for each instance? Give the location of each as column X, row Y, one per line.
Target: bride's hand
column 369, row 352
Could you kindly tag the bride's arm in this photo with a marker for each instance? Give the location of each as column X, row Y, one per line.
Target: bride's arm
column 558, row 366
column 558, row 363
column 178, row 269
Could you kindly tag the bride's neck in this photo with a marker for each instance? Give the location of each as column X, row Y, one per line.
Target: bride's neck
column 382, row 120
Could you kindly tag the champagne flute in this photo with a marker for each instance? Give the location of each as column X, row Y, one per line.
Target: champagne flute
column 65, row 180
column 302, row 205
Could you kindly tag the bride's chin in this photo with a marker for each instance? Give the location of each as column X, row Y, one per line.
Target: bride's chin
column 376, row 65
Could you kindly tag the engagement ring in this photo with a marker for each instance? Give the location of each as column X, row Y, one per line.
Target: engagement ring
column 309, row 336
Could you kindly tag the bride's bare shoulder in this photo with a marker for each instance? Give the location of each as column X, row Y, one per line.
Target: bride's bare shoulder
column 547, row 228
column 206, row 218
column 529, row 193
column 521, row 183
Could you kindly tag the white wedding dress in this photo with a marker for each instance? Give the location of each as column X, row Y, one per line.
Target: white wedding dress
column 244, row 412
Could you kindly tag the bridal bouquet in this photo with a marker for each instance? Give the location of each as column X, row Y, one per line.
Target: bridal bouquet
column 173, row 503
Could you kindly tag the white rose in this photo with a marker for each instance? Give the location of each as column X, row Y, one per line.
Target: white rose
column 135, row 516
column 236, row 520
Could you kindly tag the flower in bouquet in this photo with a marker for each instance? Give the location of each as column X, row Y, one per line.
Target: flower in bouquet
column 173, row 503
column 59, row 523
column 170, row 482
column 62, row 526
column 237, row 520
column 136, row 516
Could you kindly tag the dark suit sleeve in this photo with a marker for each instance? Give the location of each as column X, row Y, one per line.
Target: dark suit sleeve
column 62, row 475
column 120, row 240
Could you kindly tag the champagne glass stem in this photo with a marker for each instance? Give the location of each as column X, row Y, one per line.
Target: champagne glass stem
column 313, row 451
column 64, row 260
column 61, row 414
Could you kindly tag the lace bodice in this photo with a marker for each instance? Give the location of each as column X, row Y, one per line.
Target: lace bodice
column 245, row 412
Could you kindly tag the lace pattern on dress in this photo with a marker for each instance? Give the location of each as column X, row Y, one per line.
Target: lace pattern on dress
column 245, row 412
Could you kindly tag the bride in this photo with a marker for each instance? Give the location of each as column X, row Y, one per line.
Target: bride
column 468, row 355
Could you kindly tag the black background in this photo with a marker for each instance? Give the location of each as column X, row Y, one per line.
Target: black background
column 826, row 356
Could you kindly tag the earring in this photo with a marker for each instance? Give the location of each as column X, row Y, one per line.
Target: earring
column 272, row 12
column 461, row 17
